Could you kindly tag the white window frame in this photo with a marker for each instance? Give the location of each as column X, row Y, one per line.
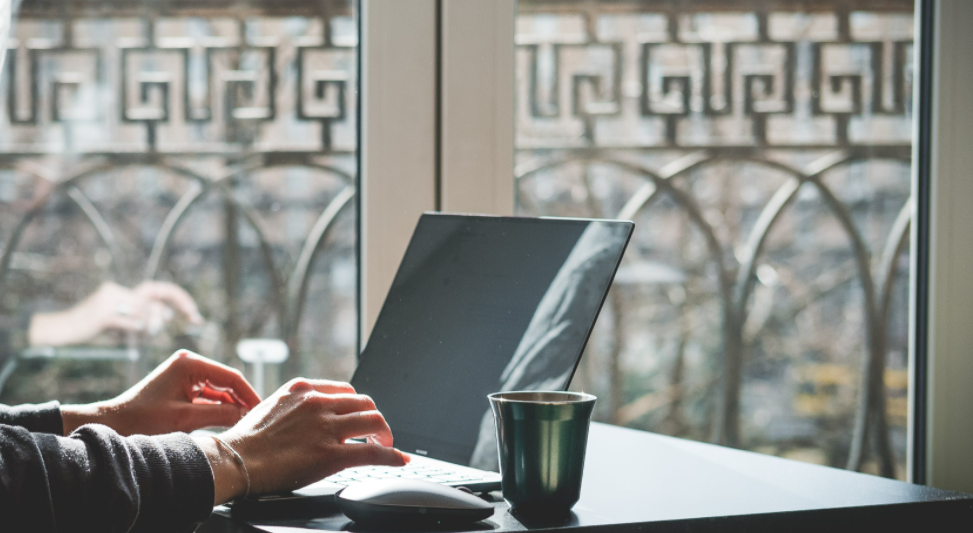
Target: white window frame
column 398, row 137
column 437, row 131
column 477, row 120
column 949, row 319
column 436, row 123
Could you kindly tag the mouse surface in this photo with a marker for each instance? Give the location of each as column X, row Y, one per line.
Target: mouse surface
column 399, row 501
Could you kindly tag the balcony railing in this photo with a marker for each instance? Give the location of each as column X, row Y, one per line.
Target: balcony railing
column 208, row 143
column 763, row 149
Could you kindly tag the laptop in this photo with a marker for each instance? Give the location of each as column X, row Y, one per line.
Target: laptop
column 479, row 304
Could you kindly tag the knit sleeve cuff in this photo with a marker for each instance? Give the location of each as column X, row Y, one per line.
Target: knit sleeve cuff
column 40, row 418
column 175, row 480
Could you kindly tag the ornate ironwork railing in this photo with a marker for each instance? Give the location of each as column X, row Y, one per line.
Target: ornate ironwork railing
column 209, row 142
column 763, row 149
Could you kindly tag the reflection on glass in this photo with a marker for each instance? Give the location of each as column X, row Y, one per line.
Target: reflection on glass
column 547, row 353
column 482, row 304
column 764, row 153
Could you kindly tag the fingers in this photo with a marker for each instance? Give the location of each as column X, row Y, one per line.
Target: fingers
column 219, row 382
column 211, row 394
column 343, row 404
column 171, row 294
column 202, row 415
column 146, row 308
column 115, row 307
column 318, row 385
column 353, row 455
column 157, row 315
column 364, row 424
column 110, row 289
column 123, row 323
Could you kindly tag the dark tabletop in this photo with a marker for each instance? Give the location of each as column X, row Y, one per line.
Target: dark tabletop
column 638, row 481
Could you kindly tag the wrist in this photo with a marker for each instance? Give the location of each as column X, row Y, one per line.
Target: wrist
column 40, row 327
column 75, row 416
column 229, row 478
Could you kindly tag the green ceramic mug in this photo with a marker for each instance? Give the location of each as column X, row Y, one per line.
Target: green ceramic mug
column 542, row 437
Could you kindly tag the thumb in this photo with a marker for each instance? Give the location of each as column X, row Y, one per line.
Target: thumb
column 205, row 415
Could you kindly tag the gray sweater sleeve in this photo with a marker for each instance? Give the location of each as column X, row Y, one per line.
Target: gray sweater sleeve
column 97, row 480
column 40, row 418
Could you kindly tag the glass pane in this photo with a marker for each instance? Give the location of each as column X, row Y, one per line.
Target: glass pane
column 213, row 149
column 763, row 151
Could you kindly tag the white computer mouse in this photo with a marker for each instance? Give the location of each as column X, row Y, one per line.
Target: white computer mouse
column 399, row 501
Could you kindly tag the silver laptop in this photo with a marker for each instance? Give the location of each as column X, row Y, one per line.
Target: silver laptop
column 479, row 304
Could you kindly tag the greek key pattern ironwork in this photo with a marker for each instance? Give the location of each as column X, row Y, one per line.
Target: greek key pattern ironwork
column 579, row 80
column 235, row 81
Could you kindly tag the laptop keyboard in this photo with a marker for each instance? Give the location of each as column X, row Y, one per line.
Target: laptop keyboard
column 438, row 472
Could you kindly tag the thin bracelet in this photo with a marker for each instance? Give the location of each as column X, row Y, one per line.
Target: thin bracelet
column 239, row 459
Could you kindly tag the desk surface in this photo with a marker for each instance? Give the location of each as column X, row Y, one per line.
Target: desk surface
column 634, row 478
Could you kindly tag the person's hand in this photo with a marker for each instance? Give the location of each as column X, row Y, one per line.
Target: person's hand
column 185, row 393
column 297, row 436
column 147, row 307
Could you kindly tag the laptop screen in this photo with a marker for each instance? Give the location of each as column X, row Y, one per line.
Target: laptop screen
column 483, row 304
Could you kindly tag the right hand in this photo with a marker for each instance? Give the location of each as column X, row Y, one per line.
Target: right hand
column 297, row 436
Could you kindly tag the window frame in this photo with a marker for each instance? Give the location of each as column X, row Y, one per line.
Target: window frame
column 942, row 300
column 397, row 139
column 435, row 134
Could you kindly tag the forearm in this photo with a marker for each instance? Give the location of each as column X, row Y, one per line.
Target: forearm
column 59, row 328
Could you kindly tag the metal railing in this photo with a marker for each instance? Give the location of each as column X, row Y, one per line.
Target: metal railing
column 209, row 101
column 628, row 108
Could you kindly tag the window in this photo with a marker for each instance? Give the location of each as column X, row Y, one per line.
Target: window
column 215, row 149
column 715, row 126
column 764, row 154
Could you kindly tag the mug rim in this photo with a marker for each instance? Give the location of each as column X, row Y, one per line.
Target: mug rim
column 572, row 397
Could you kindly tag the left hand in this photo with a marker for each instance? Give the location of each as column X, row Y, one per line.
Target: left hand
column 185, row 393
column 146, row 308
